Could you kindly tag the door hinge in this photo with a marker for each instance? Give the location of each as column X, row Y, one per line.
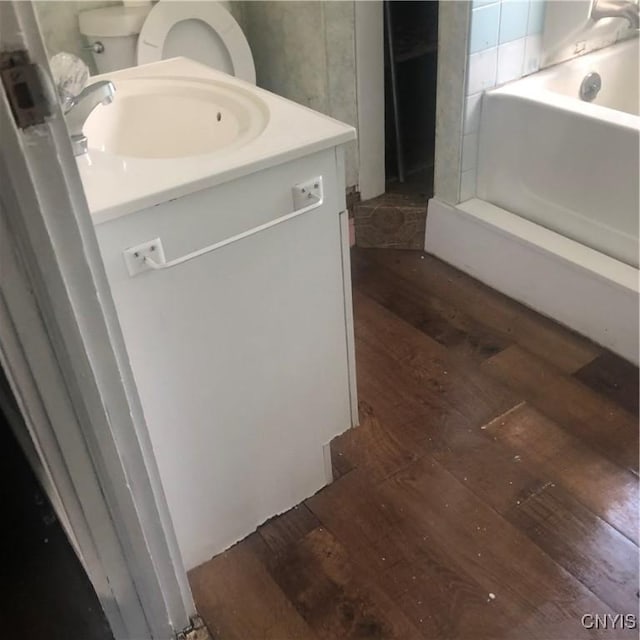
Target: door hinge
column 24, row 88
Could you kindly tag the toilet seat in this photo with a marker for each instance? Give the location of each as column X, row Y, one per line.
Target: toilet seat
column 202, row 31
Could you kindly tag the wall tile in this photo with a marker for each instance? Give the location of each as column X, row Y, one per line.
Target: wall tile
column 472, row 108
column 469, row 151
column 468, row 185
column 532, row 54
column 485, row 23
column 535, row 22
column 513, row 20
column 481, row 72
column 510, row 60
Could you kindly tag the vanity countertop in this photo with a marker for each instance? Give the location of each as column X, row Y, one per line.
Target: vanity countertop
column 116, row 185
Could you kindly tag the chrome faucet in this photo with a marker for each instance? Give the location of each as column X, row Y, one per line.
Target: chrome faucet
column 79, row 108
column 627, row 9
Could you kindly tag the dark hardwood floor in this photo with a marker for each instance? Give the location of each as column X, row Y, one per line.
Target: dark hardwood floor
column 491, row 490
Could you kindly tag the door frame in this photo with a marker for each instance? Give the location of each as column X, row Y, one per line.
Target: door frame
column 369, row 52
column 63, row 352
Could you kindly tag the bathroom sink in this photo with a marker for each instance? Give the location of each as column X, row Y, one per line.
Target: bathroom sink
column 177, row 126
column 172, row 117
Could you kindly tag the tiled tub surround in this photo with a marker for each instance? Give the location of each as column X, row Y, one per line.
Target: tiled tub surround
column 504, row 44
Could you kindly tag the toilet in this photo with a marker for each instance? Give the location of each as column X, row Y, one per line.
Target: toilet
column 137, row 33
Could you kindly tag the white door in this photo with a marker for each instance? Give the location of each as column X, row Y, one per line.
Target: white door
column 62, row 349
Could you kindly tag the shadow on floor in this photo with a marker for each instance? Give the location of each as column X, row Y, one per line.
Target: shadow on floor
column 45, row 593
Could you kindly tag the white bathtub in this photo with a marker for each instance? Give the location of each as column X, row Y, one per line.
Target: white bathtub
column 563, row 163
column 555, row 221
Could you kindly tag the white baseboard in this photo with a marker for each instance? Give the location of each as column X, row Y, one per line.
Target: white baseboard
column 579, row 287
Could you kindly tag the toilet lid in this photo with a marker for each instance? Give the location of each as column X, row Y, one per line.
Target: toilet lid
column 202, row 31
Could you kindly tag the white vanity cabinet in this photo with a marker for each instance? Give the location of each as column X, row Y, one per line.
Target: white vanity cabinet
column 243, row 356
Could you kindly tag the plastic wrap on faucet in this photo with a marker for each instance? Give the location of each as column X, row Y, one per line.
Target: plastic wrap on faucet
column 70, row 75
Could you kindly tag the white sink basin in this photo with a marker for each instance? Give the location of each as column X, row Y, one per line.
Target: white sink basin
column 161, row 137
column 169, row 117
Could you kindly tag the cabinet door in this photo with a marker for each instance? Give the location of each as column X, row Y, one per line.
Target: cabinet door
column 241, row 360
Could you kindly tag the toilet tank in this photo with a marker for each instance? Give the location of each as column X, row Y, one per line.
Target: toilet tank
column 113, row 34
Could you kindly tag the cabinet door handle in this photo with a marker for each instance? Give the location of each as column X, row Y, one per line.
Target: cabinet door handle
column 138, row 259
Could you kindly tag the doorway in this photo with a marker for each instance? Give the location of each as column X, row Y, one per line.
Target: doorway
column 397, row 218
column 45, row 593
column 411, row 55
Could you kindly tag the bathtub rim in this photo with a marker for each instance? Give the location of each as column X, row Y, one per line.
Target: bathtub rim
column 532, row 86
column 525, row 92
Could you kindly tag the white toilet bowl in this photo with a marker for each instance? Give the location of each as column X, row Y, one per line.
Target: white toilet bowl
column 138, row 33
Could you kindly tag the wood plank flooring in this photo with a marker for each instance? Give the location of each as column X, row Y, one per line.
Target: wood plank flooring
column 490, row 492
